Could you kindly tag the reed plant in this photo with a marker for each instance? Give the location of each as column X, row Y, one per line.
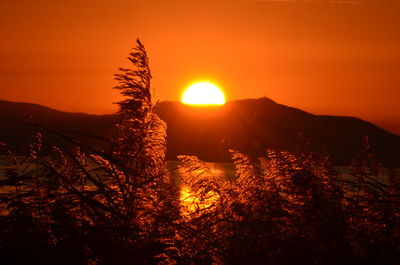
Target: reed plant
column 82, row 205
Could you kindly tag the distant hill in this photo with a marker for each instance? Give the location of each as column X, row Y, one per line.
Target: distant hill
column 250, row 125
column 17, row 134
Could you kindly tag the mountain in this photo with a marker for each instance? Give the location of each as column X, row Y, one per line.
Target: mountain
column 16, row 133
column 253, row 125
column 250, row 126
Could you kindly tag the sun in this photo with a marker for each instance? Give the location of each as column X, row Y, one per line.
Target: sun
column 203, row 93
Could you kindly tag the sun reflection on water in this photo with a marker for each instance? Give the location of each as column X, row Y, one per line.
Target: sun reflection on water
column 196, row 202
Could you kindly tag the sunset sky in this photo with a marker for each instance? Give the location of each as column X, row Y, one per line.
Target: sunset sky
column 325, row 57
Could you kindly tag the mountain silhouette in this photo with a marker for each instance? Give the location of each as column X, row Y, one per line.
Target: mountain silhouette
column 250, row 126
column 253, row 125
column 16, row 133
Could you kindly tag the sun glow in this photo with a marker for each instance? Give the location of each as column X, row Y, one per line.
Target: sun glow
column 192, row 202
column 203, row 93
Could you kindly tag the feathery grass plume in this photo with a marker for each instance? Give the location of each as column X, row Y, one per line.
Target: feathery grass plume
column 140, row 143
column 8, row 176
column 286, row 205
column 374, row 209
column 200, row 197
column 202, row 188
column 283, row 206
column 83, row 206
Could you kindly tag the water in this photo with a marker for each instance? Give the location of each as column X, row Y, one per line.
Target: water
column 219, row 170
column 226, row 171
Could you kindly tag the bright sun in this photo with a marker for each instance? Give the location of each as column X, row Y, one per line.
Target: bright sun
column 203, row 93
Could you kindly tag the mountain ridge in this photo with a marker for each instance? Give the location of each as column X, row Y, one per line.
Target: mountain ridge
column 248, row 125
column 260, row 124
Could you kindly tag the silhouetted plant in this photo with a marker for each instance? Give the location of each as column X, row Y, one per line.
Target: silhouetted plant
column 374, row 207
column 287, row 208
column 85, row 206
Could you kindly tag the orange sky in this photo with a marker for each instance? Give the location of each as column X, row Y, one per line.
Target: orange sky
column 325, row 57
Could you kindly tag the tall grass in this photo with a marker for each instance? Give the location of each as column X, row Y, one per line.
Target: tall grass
column 87, row 206
column 82, row 205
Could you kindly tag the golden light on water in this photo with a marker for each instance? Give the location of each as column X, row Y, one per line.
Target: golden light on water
column 203, row 93
column 192, row 203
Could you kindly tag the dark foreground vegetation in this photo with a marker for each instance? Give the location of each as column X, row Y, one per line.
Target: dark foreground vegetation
column 82, row 205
